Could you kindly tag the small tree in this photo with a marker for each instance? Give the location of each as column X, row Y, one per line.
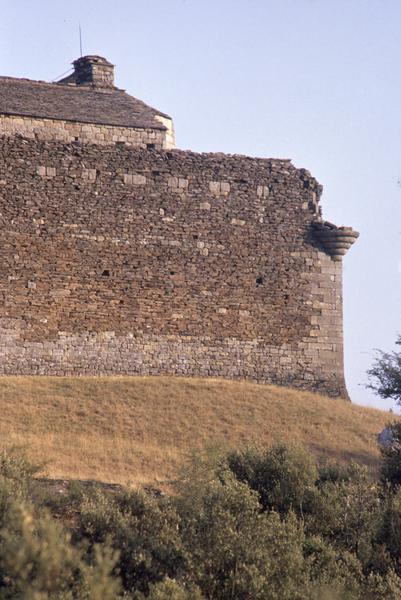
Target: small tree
column 385, row 374
column 385, row 377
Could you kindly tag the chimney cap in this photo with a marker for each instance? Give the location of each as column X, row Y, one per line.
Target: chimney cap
column 93, row 58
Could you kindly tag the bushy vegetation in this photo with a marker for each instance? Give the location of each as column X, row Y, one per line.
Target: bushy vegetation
column 248, row 525
column 385, row 374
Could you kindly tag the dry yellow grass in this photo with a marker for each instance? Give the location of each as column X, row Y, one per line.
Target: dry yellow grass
column 138, row 429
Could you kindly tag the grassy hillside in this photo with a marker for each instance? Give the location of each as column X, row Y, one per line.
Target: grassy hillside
column 138, row 429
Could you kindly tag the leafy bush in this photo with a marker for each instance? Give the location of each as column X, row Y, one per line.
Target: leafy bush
column 283, row 476
column 246, row 526
column 169, row 589
column 234, row 550
column 391, row 464
column 142, row 529
column 37, row 559
column 346, row 511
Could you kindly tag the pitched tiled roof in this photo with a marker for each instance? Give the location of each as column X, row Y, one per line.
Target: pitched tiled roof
column 70, row 102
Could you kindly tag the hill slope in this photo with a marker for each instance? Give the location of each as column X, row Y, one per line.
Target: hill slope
column 138, row 429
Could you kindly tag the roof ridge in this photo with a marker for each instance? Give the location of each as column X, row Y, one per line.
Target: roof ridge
column 70, row 86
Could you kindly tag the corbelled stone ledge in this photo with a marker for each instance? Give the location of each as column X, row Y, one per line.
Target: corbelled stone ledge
column 336, row 241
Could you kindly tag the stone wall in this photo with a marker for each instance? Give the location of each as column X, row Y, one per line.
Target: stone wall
column 121, row 260
column 70, row 131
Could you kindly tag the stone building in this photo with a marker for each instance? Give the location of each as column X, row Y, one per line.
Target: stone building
column 122, row 255
column 83, row 107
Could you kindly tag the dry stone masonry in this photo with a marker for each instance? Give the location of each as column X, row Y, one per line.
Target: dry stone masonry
column 118, row 259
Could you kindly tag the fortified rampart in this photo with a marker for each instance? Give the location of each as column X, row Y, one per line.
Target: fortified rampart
column 123, row 260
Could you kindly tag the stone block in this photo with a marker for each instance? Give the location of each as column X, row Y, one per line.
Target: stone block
column 139, row 179
column 262, row 191
column 214, row 187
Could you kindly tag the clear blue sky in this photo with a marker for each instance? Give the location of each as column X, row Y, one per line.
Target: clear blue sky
column 318, row 81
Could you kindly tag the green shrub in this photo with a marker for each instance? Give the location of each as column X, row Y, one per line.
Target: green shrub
column 345, row 511
column 234, row 550
column 169, row 589
column 143, row 530
column 283, row 476
column 391, row 464
column 37, row 559
column 390, row 531
column 246, row 526
column 16, row 480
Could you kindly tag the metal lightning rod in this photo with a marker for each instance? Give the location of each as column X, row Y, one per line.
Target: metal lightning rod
column 80, row 39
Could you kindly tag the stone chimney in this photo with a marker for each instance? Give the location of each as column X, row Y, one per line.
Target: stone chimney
column 95, row 71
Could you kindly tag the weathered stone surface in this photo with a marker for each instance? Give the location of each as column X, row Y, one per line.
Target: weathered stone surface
column 123, row 260
column 69, row 131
